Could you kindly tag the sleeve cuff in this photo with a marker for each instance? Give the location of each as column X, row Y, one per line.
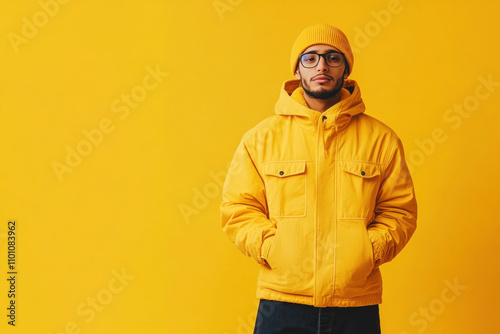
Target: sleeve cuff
column 266, row 247
column 378, row 248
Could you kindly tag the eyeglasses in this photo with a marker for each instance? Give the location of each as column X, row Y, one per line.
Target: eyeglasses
column 332, row 59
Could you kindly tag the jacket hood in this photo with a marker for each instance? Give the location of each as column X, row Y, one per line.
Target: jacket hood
column 338, row 115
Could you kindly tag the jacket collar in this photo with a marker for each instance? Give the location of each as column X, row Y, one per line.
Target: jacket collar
column 337, row 116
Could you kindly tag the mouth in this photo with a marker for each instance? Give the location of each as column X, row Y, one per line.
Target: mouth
column 322, row 79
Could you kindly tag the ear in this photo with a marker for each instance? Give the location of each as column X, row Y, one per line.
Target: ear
column 297, row 73
column 346, row 69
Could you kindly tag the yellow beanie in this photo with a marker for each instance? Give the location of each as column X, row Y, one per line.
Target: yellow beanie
column 321, row 34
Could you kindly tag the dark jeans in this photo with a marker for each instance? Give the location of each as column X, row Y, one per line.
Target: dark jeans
column 274, row 317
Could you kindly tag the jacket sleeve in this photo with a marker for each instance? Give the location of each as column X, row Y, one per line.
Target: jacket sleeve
column 396, row 208
column 244, row 212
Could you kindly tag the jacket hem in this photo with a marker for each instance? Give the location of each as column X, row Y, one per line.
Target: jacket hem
column 308, row 300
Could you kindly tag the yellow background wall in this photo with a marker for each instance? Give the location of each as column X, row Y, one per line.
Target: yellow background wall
column 126, row 238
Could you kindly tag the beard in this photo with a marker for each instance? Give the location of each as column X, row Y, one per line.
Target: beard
column 322, row 93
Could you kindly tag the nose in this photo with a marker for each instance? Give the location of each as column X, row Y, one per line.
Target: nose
column 322, row 66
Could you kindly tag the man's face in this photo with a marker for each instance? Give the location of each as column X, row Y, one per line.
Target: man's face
column 322, row 81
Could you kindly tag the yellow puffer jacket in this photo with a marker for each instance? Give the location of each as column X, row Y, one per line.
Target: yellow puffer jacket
column 320, row 200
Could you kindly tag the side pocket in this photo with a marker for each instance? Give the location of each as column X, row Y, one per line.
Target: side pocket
column 290, row 261
column 285, row 183
column 372, row 251
column 355, row 260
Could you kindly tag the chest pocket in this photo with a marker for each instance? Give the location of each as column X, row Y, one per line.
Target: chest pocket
column 359, row 183
column 285, row 183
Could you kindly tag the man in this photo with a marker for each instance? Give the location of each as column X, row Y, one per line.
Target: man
column 320, row 196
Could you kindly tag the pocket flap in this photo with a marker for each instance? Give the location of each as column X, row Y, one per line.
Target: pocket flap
column 361, row 169
column 284, row 169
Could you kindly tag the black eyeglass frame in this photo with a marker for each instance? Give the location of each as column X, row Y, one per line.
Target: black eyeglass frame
column 324, row 58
